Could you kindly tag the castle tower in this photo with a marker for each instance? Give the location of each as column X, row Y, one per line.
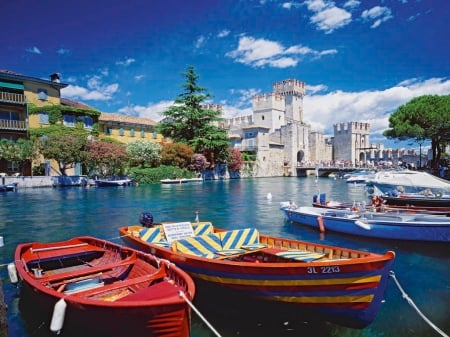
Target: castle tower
column 293, row 91
column 351, row 140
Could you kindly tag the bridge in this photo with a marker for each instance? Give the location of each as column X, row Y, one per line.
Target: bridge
column 325, row 171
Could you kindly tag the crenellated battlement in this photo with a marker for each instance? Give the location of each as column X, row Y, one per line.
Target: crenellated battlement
column 352, row 127
column 289, row 87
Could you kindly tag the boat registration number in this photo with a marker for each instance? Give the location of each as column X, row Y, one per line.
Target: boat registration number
column 323, row 270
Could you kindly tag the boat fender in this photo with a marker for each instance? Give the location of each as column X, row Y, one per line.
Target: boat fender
column 321, row 225
column 59, row 312
column 363, row 225
column 12, row 272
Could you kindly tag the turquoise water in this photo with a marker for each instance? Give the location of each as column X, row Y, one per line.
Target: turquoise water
column 51, row 214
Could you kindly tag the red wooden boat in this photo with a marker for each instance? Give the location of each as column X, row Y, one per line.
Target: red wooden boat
column 341, row 285
column 104, row 288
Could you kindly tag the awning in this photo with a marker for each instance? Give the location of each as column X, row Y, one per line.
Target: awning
column 11, row 85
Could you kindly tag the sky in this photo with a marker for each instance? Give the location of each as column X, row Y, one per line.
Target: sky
column 360, row 60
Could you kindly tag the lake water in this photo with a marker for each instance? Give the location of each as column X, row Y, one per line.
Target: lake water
column 51, row 214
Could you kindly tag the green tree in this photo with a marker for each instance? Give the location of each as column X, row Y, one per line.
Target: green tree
column 21, row 151
column 187, row 121
column 423, row 118
column 142, row 153
column 67, row 150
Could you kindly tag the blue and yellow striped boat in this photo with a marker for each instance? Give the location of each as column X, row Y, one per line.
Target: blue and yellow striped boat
column 347, row 286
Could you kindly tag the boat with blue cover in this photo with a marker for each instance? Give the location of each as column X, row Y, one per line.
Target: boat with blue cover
column 414, row 226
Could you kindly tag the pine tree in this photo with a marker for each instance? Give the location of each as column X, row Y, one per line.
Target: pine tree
column 189, row 122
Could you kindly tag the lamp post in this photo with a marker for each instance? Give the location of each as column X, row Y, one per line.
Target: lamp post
column 420, row 141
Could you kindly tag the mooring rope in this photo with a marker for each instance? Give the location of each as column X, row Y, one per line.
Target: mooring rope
column 199, row 314
column 411, row 303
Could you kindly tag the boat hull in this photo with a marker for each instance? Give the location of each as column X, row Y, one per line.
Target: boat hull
column 150, row 307
column 347, row 292
column 181, row 181
column 112, row 183
column 429, row 203
column 420, row 227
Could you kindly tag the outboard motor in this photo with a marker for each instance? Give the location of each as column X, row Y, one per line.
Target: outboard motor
column 146, row 219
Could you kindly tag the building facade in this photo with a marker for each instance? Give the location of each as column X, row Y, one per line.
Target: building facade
column 17, row 93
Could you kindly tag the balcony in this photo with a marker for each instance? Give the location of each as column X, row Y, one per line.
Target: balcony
column 8, row 97
column 6, row 124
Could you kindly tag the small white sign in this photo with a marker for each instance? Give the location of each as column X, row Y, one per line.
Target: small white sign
column 178, row 230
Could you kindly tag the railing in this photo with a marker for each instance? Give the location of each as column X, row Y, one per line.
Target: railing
column 9, row 97
column 248, row 148
column 7, row 124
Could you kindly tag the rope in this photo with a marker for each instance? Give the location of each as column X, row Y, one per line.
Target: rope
column 199, row 314
column 411, row 303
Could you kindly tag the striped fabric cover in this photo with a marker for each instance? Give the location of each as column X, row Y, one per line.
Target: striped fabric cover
column 204, row 245
column 153, row 235
column 239, row 238
column 202, row 228
column 300, row 255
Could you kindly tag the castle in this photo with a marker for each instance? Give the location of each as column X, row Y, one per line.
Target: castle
column 282, row 141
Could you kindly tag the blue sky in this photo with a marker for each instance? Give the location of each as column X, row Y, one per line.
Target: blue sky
column 360, row 60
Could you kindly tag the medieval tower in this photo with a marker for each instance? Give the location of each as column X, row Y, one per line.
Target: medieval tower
column 282, row 113
column 351, row 142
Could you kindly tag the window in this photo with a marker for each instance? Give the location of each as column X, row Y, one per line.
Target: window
column 42, row 94
column 131, row 132
column 9, row 115
column 43, row 117
column 155, row 135
column 121, row 132
column 13, row 166
column 69, row 120
column 88, row 122
column 109, row 130
column 142, row 134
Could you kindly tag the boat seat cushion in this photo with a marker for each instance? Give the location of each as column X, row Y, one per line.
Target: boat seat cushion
column 203, row 245
column 202, row 228
column 153, row 235
column 300, row 255
column 240, row 238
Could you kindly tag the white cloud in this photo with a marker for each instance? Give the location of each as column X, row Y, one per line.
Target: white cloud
column 261, row 52
column 377, row 14
column 125, row 62
column 63, row 51
column 223, row 33
column 352, row 4
column 374, row 107
column 33, row 50
column 312, row 89
column 290, row 5
column 152, row 110
column 327, row 16
column 95, row 90
column 200, row 41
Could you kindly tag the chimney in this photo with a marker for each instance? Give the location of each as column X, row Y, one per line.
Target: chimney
column 55, row 77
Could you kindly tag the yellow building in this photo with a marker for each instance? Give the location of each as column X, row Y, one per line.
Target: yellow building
column 26, row 103
column 127, row 129
column 17, row 91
